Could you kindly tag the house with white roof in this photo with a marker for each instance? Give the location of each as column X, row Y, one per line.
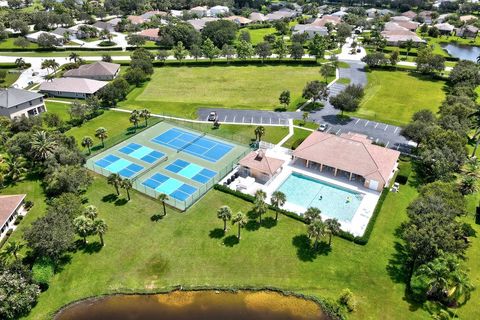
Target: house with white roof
column 20, row 103
column 218, row 11
column 71, row 87
column 199, row 11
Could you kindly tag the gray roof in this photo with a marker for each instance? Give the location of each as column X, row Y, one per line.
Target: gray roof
column 76, row 85
column 12, row 97
column 99, row 68
column 61, row 31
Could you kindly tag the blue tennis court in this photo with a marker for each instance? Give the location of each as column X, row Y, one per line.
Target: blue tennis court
column 119, row 165
column 172, row 187
column 140, row 152
column 191, row 171
column 194, row 144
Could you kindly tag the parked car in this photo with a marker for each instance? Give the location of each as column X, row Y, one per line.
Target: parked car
column 323, row 127
column 212, row 116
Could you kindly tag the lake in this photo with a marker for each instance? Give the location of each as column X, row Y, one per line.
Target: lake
column 195, row 305
column 463, row 52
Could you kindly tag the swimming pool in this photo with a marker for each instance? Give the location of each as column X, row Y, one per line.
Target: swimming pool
column 334, row 201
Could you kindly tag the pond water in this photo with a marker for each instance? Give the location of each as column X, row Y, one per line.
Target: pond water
column 195, row 305
column 463, row 52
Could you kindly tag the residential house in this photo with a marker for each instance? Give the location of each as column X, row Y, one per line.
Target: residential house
column 10, row 207
column 241, row 21
column 103, row 71
column 310, row 29
column 349, row 155
column 71, row 87
column 257, row 17
column 321, row 22
column 280, row 15
column 199, row 24
column 397, row 35
column 371, row 13
column 409, row 14
column 149, row 14
column 258, row 165
column 468, row 18
column 20, row 103
column 445, row 28
column 467, row 32
column 200, row 11
column 33, row 37
column 218, row 11
column 102, row 25
column 426, row 16
column 399, row 19
column 150, row 34
column 340, row 14
column 64, row 32
column 135, row 20
column 409, row 25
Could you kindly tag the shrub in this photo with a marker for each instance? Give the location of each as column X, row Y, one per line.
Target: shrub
column 297, row 142
column 18, row 220
column 28, row 205
column 363, row 240
column 106, row 43
column 42, row 272
column 347, row 300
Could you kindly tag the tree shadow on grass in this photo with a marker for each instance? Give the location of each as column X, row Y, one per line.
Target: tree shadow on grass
column 217, row 233
column 112, row 197
column 269, row 222
column 92, row 247
column 230, row 241
column 121, row 202
column 252, row 225
column 305, row 252
column 156, row 217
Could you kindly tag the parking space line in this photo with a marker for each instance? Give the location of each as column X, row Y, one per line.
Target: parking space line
column 367, row 123
column 398, row 147
column 261, row 119
column 243, row 119
column 376, row 140
column 386, row 126
column 234, row 117
column 251, row 121
column 270, row 120
column 376, row 125
column 388, row 142
column 338, row 131
column 225, row 120
column 330, row 128
column 358, row 120
column 396, row 129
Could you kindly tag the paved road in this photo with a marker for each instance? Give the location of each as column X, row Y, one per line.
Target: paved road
column 379, row 132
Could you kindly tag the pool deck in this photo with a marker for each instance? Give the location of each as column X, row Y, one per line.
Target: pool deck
column 360, row 219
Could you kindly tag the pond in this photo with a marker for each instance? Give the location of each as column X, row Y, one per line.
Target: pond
column 463, row 52
column 193, row 305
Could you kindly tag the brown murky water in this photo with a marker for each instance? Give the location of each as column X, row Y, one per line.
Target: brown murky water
column 195, row 305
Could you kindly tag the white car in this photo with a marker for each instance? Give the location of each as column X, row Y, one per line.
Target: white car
column 323, row 127
column 212, row 116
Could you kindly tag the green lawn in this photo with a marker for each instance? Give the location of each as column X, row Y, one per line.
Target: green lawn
column 394, row 96
column 65, row 53
column 10, row 79
column 9, row 44
column 182, row 90
column 298, row 136
column 256, row 35
column 59, row 108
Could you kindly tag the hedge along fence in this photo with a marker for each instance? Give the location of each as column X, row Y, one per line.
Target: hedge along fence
column 363, row 240
column 12, row 65
column 414, row 54
column 60, row 49
column 329, row 308
column 236, row 62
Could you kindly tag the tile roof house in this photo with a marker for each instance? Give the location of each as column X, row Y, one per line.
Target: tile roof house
column 199, row 11
column 468, row 18
column 135, row 19
column 102, row 25
column 241, row 21
column 149, row 14
column 445, row 28
column 467, row 32
column 409, row 14
column 258, row 165
column 280, row 14
column 257, row 17
column 310, row 30
column 218, row 10
column 321, row 22
column 150, row 34
column 61, row 32
column 351, row 155
column 18, row 102
column 199, row 24
column 10, row 206
column 33, row 37
column 100, row 70
column 396, row 34
column 72, row 87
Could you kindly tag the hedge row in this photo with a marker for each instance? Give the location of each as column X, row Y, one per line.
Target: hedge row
column 11, row 65
column 62, row 49
column 405, row 169
column 235, row 62
column 414, row 54
column 363, row 240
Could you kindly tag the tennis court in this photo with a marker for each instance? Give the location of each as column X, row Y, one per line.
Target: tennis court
column 191, row 171
column 194, row 144
column 143, row 153
column 119, row 165
column 169, row 186
column 168, row 159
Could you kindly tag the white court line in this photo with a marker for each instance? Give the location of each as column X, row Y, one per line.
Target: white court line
column 386, row 126
column 367, row 123
column 358, row 120
column 376, row 125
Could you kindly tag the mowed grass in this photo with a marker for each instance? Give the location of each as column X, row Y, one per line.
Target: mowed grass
column 61, row 109
column 394, row 96
column 183, row 248
column 182, row 90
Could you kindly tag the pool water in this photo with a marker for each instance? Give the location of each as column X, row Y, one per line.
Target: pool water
column 333, row 201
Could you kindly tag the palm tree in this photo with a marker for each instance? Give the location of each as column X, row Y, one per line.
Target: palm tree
column 472, row 168
column 100, row 227
column 163, row 197
column 102, row 134
column 20, row 63
column 468, row 185
column 127, row 185
column 87, row 142
column 259, row 132
column 312, row 214
column 134, row 118
column 332, row 228
column 260, row 204
column 224, row 213
column 43, row 146
column 91, row 212
column 316, row 230
column 115, row 180
column 83, row 227
column 408, row 46
column 12, row 249
column 73, row 56
column 476, row 126
column 50, row 64
column 145, row 114
column 15, row 167
column 278, row 200
column 239, row 220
